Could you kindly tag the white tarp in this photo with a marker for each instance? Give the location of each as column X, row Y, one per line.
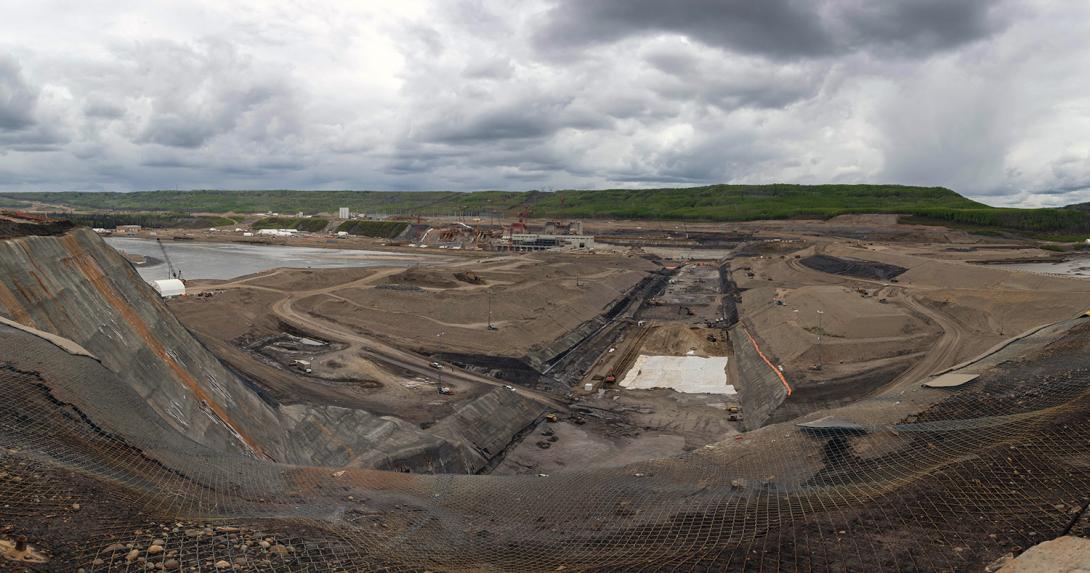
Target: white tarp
column 169, row 288
column 689, row 374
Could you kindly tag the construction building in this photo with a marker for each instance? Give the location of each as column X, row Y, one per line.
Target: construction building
column 277, row 232
column 127, row 229
column 541, row 242
column 561, row 228
column 169, row 288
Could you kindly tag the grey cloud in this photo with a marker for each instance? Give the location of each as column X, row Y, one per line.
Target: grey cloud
column 1069, row 174
column 196, row 94
column 427, row 37
column 179, row 129
column 491, row 69
column 777, row 29
column 672, row 62
column 781, row 28
column 33, row 147
column 168, row 161
column 17, row 98
column 734, row 83
column 918, row 26
column 520, row 119
column 101, row 107
column 471, row 94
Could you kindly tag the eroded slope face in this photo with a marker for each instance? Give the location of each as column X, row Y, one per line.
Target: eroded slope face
column 75, row 286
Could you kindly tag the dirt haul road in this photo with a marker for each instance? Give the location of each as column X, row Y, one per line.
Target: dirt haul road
column 943, row 353
column 955, row 341
column 373, row 349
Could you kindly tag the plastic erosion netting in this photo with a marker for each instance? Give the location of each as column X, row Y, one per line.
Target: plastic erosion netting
column 927, row 480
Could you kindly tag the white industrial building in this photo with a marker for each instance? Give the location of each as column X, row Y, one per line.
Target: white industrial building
column 169, row 288
column 541, row 242
column 277, row 232
column 343, row 213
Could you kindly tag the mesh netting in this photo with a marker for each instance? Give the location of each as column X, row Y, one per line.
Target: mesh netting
column 925, row 480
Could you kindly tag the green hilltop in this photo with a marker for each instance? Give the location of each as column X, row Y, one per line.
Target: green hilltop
column 708, row 203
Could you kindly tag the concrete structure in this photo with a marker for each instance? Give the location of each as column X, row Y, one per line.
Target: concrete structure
column 562, row 228
column 169, row 288
column 541, row 242
column 127, row 229
column 344, row 213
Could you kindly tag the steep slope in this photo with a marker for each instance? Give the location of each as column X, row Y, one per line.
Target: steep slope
column 74, row 285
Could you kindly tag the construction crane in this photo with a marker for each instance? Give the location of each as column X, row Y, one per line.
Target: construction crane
column 175, row 273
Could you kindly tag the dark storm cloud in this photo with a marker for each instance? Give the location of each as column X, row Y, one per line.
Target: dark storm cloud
column 773, row 27
column 778, row 29
column 918, row 26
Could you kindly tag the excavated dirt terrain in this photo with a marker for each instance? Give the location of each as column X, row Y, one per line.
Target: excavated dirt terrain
column 534, row 300
column 952, row 488
column 869, row 315
column 126, row 445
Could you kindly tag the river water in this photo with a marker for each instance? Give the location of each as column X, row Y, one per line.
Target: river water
column 230, row 260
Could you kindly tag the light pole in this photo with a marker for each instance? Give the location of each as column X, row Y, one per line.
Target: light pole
column 490, row 325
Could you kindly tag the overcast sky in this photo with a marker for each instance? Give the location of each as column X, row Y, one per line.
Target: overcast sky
column 987, row 97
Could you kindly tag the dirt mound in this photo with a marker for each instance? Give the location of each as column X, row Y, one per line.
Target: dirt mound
column 422, row 278
column 469, row 277
column 679, row 339
column 17, row 225
column 853, row 268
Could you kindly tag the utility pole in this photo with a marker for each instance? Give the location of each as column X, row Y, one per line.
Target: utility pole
column 820, row 331
column 490, row 325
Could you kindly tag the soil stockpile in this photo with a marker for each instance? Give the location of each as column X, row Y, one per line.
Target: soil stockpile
column 14, row 226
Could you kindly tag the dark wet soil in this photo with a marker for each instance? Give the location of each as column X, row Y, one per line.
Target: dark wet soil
column 853, row 268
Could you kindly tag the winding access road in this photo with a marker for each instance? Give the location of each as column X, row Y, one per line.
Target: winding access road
column 368, row 347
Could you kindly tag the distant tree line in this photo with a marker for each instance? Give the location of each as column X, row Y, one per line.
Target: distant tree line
column 706, row 203
column 149, row 220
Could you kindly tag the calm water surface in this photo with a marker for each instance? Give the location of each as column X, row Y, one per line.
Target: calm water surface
column 230, row 260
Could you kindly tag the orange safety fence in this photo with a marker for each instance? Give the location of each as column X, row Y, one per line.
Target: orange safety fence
column 767, row 361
